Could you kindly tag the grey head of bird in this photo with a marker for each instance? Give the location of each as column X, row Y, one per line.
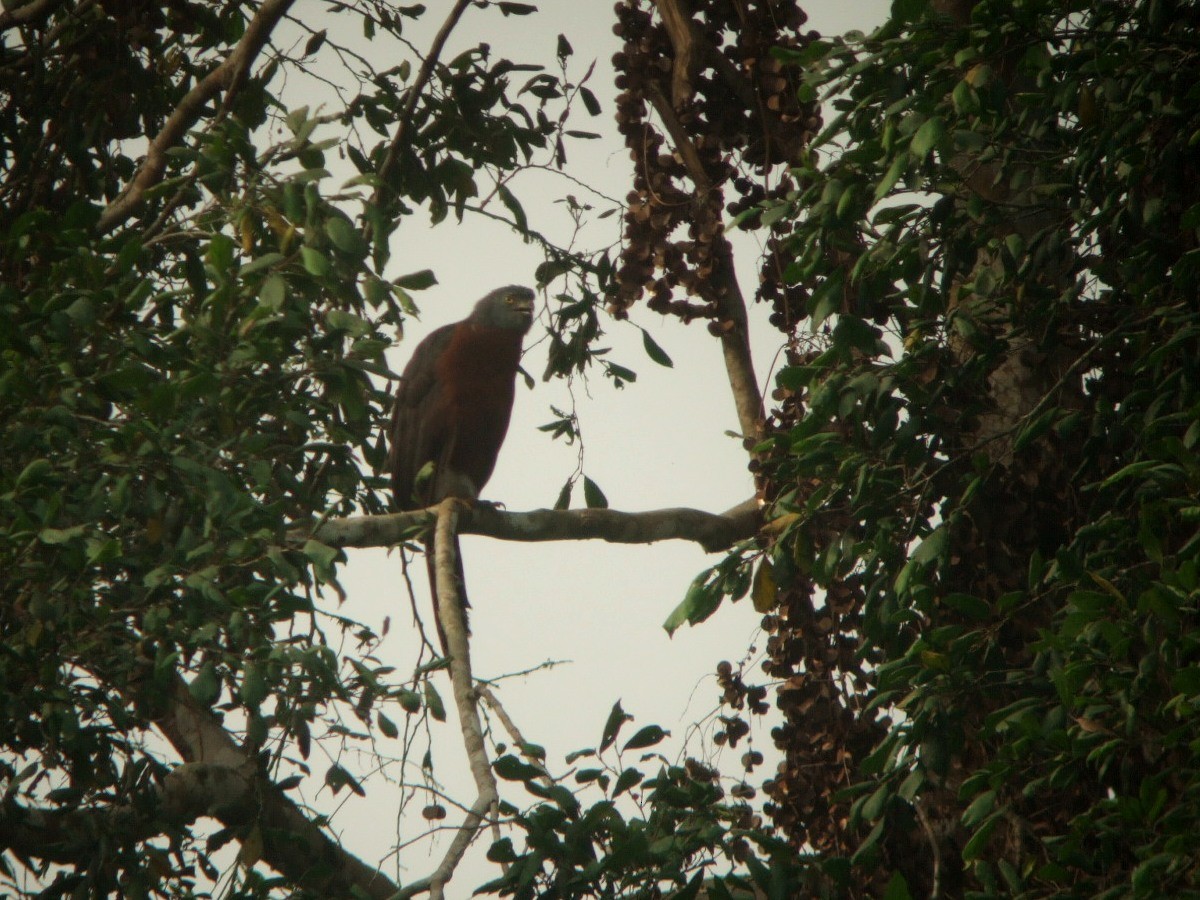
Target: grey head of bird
column 509, row 307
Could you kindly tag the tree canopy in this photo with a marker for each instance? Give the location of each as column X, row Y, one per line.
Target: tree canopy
column 975, row 537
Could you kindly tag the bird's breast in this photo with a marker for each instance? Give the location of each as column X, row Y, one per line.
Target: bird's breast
column 480, row 365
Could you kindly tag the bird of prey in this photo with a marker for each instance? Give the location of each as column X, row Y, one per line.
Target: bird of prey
column 452, row 408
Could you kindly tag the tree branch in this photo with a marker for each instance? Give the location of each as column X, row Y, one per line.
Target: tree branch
column 236, row 796
column 27, row 12
column 732, row 326
column 70, row 836
column 292, row 844
column 454, row 625
column 711, row 531
column 228, row 76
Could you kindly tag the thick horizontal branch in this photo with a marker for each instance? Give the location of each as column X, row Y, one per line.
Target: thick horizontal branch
column 711, row 531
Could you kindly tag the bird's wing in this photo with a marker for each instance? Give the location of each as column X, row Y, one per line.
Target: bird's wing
column 414, row 437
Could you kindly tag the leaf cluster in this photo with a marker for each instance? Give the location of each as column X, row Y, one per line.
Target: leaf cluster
column 685, row 836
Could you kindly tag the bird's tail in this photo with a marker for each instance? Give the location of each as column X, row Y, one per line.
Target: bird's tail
column 459, row 577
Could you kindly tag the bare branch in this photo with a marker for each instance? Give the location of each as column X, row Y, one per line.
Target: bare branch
column 228, row 76
column 735, row 347
column 677, row 18
column 711, row 531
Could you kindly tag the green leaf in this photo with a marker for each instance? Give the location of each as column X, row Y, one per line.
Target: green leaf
column 979, row 840
column 629, row 778
column 34, row 472
column 61, row 535
column 1036, row 428
column 827, row 299
column 646, row 737
column 537, row 751
column 927, row 137
column 273, row 292
column 344, row 236
column 1136, row 468
column 564, row 495
column 966, row 102
column 980, row 807
column 897, row 888
column 433, row 702
column 387, row 726
column 592, row 495
column 314, row 42
column 654, row 351
column 908, row 11
column 773, row 214
column 322, row 555
column 619, row 373
column 933, row 546
column 315, row 262
column 338, row 777
column 206, row 686
column 416, row 281
column 502, row 851
column 254, row 685
column 968, row 605
column 340, row 320
column 895, row 170
column 261, row 262
column 875, row 805
column 700, row 602
column 1187, row 681
column 591, row 104
column 511, row 768
column 617, row 717
column 514, row 207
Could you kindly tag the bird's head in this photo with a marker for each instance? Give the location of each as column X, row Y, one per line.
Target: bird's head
column 510, row 308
